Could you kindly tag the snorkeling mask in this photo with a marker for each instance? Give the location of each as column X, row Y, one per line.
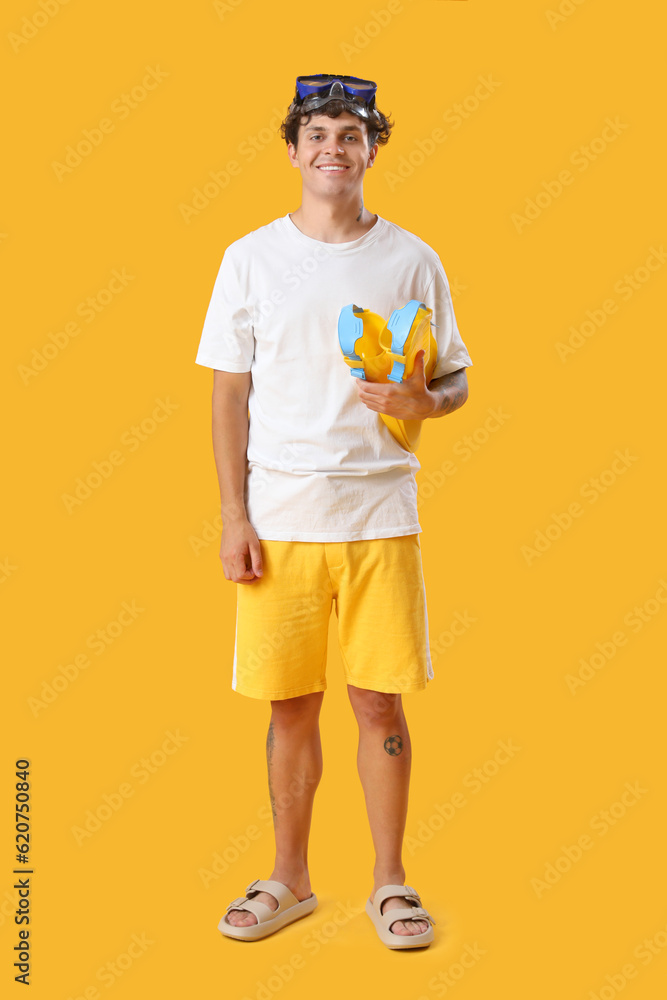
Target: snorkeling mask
column 313, row 92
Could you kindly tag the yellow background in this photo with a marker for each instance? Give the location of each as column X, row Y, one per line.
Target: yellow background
column 517, row 294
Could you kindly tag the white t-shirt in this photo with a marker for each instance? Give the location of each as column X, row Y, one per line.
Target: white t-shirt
column 322, row 466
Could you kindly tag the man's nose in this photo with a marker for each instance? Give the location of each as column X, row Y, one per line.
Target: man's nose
column 334, row 146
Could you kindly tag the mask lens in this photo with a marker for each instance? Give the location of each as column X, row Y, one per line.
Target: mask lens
column 320, row 84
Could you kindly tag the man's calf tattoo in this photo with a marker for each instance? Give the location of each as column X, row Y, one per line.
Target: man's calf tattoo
column 393, row 745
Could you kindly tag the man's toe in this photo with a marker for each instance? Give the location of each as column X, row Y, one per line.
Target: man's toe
column 415, row 926
column 240, row 918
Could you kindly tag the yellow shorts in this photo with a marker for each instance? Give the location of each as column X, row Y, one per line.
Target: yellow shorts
column 282, row 619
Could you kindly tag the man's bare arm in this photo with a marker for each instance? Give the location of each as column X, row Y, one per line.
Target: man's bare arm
column 230, row 440
column 451, row 391
column 240, row 549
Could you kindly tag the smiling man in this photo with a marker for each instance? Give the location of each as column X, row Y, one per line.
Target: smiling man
column 319, row 500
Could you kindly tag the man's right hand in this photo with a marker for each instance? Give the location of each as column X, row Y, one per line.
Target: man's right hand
column 241, row 553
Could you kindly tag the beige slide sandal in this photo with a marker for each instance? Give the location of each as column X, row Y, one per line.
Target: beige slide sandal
column 268, row 920
column 413, row 910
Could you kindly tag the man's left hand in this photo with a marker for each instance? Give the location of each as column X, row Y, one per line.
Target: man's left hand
column 410, row 399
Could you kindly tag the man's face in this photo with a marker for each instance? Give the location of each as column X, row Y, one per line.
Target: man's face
column 333, row 142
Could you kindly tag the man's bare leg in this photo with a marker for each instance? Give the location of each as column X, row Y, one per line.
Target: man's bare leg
column 383, row 760
column 294, row 763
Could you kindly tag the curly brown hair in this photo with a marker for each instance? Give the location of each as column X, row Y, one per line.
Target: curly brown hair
column 378, row 127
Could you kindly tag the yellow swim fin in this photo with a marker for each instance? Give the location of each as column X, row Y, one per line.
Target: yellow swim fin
column 385, row 352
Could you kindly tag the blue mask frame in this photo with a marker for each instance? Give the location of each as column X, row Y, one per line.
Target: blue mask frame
column 313, row 92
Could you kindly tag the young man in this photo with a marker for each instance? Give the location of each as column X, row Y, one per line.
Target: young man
column 319, row 501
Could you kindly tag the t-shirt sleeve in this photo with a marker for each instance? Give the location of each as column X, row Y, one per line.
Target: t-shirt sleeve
column 227, row 341
column 452, row 353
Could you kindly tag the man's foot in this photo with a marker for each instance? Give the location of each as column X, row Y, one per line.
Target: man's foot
column 416, row 926
column 301, row 889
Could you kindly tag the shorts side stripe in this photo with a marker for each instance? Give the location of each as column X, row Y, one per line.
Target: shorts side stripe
column 236, row 634
column 429, row 664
